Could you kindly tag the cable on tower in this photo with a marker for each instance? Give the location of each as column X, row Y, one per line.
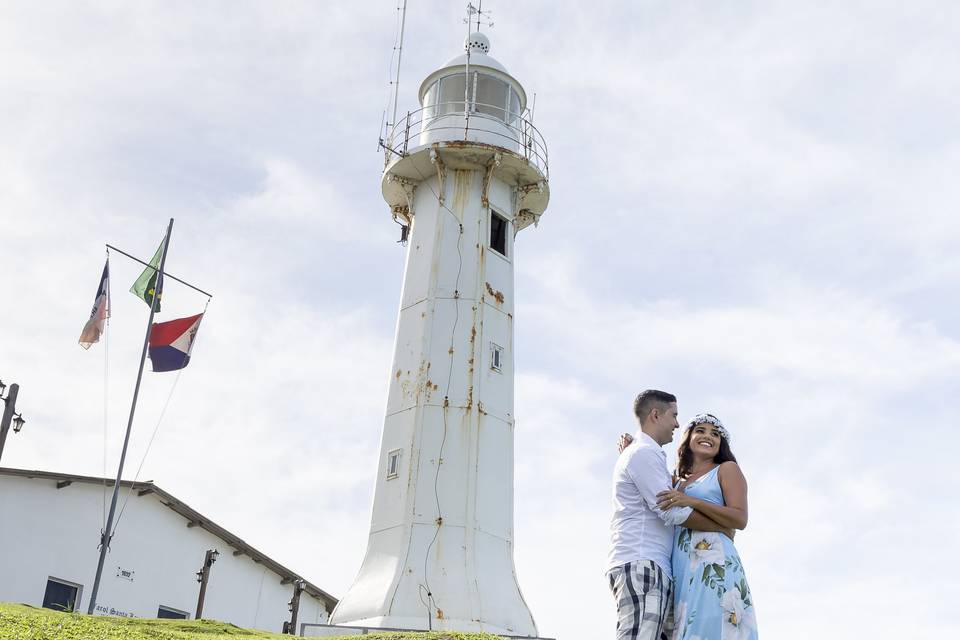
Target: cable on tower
column 430, row 602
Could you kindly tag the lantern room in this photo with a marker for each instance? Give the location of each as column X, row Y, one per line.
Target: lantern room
column 473, row 94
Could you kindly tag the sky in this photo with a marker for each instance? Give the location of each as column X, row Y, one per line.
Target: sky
column 753, row 205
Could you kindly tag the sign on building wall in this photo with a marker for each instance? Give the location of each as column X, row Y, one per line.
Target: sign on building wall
column 126, row 574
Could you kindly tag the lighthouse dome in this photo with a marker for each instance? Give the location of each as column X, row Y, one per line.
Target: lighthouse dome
column 478, row 46
column 492, row 90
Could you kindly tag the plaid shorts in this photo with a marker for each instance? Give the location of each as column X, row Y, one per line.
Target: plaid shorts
column 644, row 598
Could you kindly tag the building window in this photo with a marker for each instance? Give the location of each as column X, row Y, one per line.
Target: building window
column 498, row 233
column 61, row 595
column 496, row 357
column 393, row 464
column 171, row 613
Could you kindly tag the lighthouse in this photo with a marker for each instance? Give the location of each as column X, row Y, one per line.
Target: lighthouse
column 463, row 175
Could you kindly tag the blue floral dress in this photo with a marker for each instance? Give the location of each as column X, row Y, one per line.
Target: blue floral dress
column 711, row 598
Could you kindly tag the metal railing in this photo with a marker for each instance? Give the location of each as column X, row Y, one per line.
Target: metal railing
column 456, row 121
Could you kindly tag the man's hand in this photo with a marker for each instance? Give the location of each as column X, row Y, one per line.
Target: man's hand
column 624, row 442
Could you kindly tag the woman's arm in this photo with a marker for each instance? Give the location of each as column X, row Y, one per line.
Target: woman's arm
column 734, row 487
column 699, row 522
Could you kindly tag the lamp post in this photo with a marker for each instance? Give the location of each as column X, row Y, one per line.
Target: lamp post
column 9, row 413
column 294, row 606
column 203, row 576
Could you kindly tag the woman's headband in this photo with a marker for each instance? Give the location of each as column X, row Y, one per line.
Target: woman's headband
column 709, row 418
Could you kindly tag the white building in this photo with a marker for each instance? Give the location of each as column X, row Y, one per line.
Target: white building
column 48, row 556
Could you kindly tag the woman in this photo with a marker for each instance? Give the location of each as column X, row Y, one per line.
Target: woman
column 711, row 598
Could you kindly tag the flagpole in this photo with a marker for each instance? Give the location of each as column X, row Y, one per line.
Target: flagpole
column 105, row 535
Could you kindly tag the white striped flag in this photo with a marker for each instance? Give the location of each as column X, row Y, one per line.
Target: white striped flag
column 93, row 329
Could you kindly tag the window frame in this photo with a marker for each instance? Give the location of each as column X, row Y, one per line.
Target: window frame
column 505, row 254
column 496, row 357
column 66, row 583
column 180, row 612
column 393, row 463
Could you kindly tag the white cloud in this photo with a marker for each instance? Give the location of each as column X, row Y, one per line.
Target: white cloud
column 752, row 206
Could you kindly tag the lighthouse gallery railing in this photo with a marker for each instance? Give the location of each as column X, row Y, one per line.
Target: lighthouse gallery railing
column 510, row 131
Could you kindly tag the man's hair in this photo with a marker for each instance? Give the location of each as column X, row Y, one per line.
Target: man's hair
column 650, row 399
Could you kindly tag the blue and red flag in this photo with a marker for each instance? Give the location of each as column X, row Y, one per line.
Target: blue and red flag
column 171, row 342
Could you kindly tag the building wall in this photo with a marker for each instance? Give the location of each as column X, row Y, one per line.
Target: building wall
column 50, row 532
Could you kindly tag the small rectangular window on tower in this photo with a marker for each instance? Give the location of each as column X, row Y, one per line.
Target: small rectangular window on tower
column 393, row 464
column 496, row 357
column 498, row 233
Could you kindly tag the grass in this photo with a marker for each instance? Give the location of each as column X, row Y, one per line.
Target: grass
column 23, row 622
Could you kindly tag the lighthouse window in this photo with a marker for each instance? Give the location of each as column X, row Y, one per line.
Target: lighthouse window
column 496, row 357
column 514, row 105
column 498, row 233
column 393, row 464
column 491, row 96
column 430, row 101
column 452, row 89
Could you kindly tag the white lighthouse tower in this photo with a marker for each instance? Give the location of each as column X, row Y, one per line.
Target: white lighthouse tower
column 464, row 174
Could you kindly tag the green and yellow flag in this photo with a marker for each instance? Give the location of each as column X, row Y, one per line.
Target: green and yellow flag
column 150, row 281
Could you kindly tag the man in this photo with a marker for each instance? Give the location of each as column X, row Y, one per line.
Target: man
column 638, row 566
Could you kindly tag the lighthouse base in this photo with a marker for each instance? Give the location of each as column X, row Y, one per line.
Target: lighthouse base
column 473, row 586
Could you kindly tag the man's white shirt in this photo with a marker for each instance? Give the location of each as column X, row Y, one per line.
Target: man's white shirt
column 638, row 530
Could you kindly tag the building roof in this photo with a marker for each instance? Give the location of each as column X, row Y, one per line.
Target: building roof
column 194, row 519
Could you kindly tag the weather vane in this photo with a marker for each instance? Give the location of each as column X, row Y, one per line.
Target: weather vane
column 482, row 16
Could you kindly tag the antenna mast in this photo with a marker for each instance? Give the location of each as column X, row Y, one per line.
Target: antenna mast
column 396, row 84
column 483, row 17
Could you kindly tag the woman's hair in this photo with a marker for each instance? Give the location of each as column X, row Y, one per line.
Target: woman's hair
column 685, row 456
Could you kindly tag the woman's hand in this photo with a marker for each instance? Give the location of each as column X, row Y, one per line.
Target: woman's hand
column 673, row 498
column 624, row 442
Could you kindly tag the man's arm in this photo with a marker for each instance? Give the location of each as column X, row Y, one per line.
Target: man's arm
column 648, row 470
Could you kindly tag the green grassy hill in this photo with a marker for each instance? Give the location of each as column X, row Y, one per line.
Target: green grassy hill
column 23, row 622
